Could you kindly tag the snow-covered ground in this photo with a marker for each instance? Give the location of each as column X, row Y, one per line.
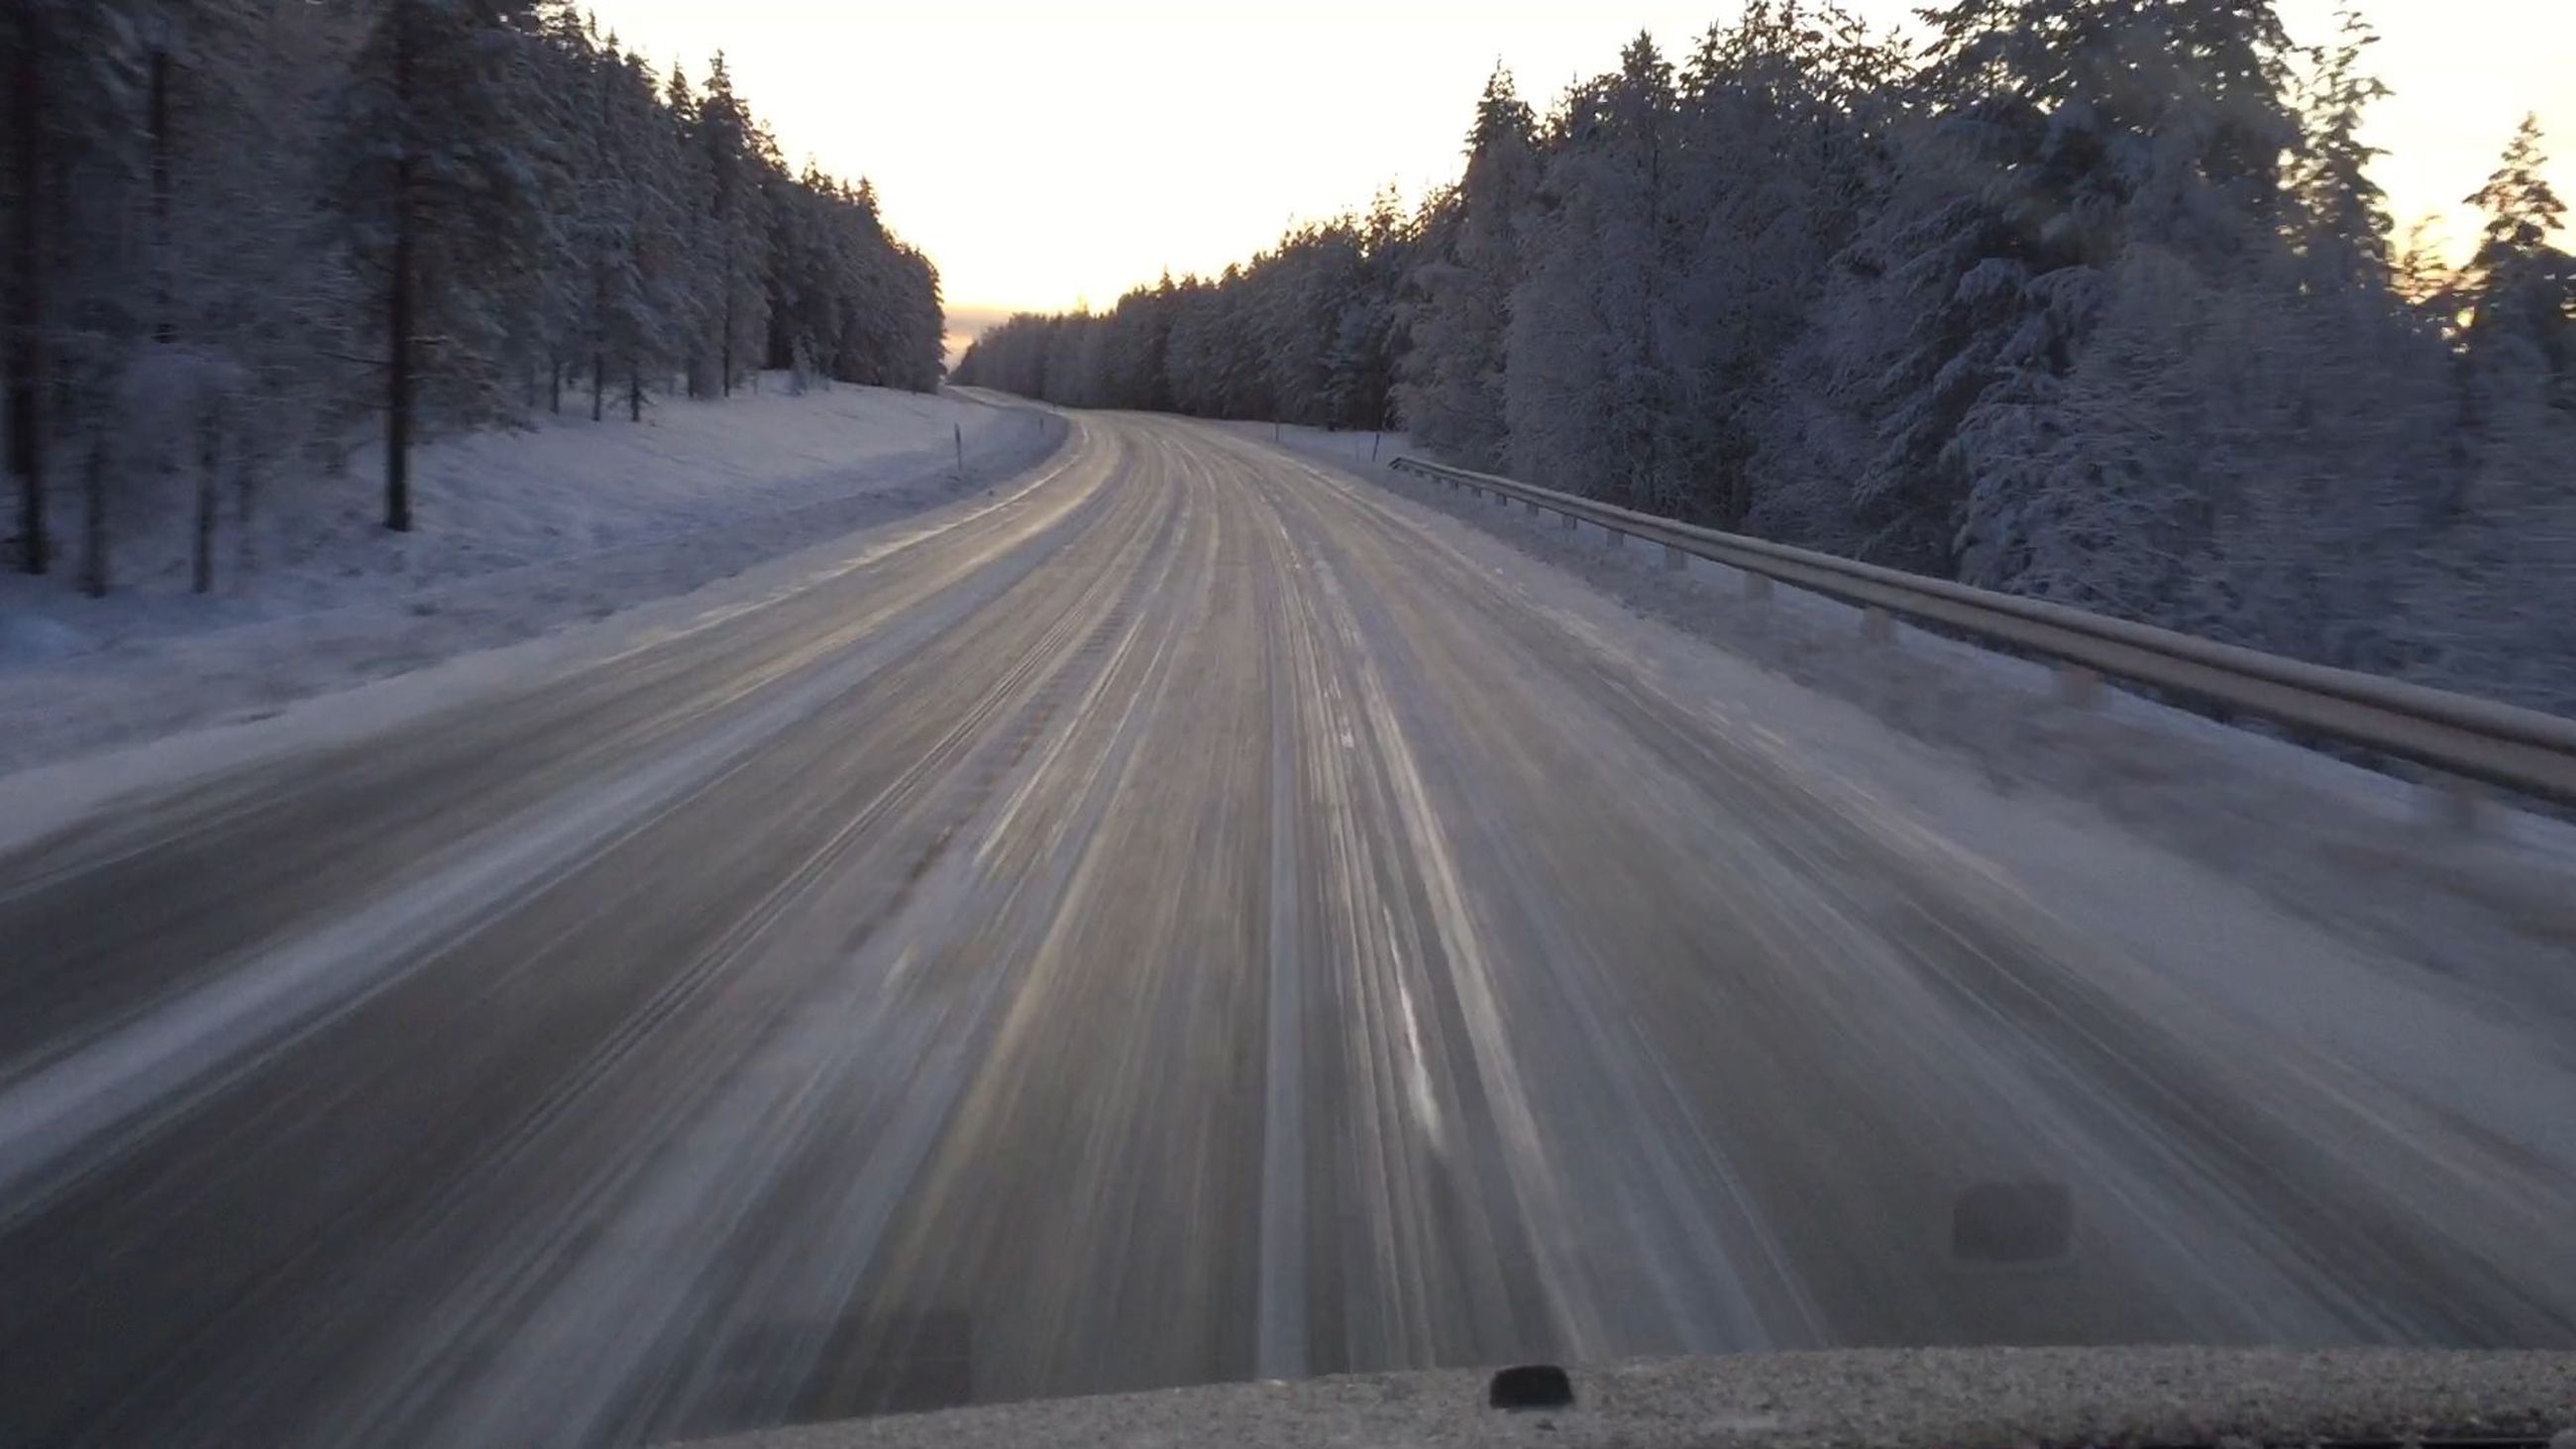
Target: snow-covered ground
column 2358, row 851
column 515, row 533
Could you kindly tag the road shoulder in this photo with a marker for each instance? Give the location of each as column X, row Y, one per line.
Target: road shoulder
column 125, row 728
column 2351, row 851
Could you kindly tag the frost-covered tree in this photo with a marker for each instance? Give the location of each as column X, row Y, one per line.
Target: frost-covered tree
column 1784, row 123
column 1591, row 382
column 1308, row 332
column 75, row 74
column 235, row 233
column 2347, row 227
column 1451, row 391
column 2517, row 294
column 738, row 164
column 432, row 172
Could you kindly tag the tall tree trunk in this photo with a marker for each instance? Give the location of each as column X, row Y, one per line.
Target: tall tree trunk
column 398, row 399
column 94, row 517
column 634, row 392
column 245, row 543
column 209, row 448
column 554, row 386
column 598, row 383
column 25, row 351
column 165, row 326
column 728, row 328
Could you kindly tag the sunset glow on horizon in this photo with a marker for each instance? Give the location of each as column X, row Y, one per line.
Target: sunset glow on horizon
column 1048, row 156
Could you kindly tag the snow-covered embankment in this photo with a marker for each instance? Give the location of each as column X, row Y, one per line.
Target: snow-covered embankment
column 516, row 533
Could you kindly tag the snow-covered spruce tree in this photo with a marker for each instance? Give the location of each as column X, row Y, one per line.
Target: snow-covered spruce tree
column 1366, row 318
column 736, row 170
column 650, row 321
column 2238, row 441
column 1783, row 125
column 431, row 173
column 566, row 60
column 1140, row 333
column 1299, row 293
column 2495, row 606
column 1307, row 332
column 2061, row 137
column 690, row 274
column 1450, row 391
column 2516, row 297
column 1589, row 383
column 2346, row 230
column 838, row 284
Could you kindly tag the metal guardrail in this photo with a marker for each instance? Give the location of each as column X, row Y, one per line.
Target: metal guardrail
column 2504, row 745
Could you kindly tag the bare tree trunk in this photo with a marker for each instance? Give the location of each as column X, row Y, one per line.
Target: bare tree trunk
column 209, row 448
column 25, row 350
column 634, row 393
column 165, row 326
column 598, row 383
column 94, row 517
column 245, row 543
column 398, row 366
column 728, row 327
column 554, row 385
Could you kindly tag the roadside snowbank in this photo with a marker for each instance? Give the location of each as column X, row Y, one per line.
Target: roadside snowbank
column 2348, row 848
column 517, row 533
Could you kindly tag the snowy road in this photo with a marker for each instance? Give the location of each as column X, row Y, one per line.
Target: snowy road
column 1184, row 919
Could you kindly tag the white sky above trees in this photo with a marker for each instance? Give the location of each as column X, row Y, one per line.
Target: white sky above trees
column 1049, row 152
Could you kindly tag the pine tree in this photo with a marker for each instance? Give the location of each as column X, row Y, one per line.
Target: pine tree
column 693, row 268
column 1588, row 380
column 434, row 177
column 2348, row 224
column 2519, row 290
column 1451, row 394
column 735, row 172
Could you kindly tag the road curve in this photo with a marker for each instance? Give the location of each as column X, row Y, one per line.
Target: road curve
column 1175, row 921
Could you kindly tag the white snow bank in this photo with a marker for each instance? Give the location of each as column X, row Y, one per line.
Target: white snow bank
column 2348, row 848
column 38, row 801
column 515, row 533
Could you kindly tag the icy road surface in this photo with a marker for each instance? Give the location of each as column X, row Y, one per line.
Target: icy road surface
column 1183, row 918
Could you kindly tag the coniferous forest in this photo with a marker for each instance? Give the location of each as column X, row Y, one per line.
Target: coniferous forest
column 2091, row 300
column 241, row 236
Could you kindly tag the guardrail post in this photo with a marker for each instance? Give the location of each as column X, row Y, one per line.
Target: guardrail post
column 1613, row 537
column 1757, row 587
column 2078, row 686
column 1674, row 559
column 1566, row 521
column 1532, row 505
column 1877, row 626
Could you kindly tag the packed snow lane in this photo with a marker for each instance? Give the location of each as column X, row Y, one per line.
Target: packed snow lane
column 1193, row 917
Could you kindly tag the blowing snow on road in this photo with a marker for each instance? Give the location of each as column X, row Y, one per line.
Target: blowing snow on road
column 1185, row 915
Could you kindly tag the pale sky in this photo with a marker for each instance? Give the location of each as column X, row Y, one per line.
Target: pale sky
column 1046, row 154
